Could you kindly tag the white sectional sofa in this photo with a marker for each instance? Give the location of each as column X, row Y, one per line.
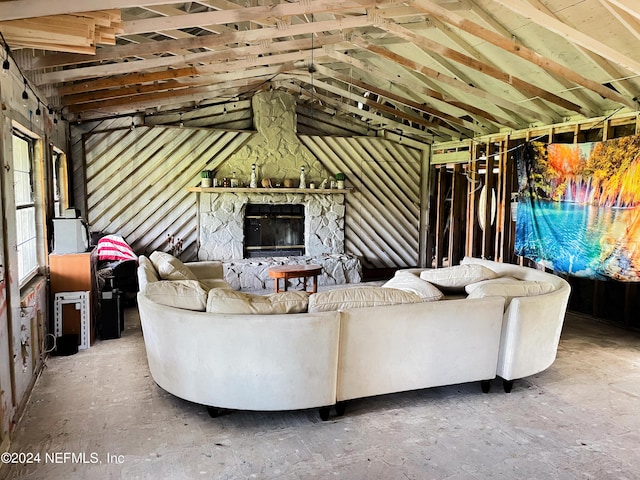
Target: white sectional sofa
column 209, row 344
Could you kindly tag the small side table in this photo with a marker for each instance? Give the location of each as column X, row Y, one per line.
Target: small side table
column 295, row 271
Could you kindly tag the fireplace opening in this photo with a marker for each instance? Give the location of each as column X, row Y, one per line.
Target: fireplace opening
column 273, row 230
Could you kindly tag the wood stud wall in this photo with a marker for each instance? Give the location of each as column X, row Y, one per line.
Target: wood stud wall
column 457, row 183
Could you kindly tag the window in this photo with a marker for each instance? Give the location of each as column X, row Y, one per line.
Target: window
column 25, row 207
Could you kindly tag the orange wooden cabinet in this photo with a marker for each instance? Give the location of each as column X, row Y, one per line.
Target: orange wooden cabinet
column 73, row 272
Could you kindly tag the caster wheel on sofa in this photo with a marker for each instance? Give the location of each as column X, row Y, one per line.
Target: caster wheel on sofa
column 507, row 385
column 324, row 413
column 340, row 408
column 214, row 412
column 485, row 385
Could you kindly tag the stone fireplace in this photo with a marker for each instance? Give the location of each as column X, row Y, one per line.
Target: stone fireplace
column 278, row 154
column 222, row 222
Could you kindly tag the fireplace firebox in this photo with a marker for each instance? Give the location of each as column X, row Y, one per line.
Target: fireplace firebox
column 273, row 230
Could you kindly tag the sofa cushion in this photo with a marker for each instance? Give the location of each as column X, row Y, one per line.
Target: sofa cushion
column 210, row 283
column 186, row 294
column 146, row 272
column 509, row 290
column 409, row 282
column 458, row 276
column 472, row 286
column 221, row 300
column 358, row 297
column 170, row 268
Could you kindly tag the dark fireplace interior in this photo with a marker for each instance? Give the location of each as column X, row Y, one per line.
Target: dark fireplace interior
column 273, row 230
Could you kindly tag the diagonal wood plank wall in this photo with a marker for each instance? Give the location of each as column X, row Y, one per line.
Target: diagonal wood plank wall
column 135, row 186
column 136, row 182
column 383, row 211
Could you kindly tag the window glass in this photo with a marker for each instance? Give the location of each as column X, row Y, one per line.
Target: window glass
column 25, row 207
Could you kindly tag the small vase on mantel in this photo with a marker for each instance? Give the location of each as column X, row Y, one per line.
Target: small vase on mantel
column 303, row 178
column 254, row 177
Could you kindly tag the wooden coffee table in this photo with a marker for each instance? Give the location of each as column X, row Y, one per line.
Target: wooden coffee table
column 295, row 271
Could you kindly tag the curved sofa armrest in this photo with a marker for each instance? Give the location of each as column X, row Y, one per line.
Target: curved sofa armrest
column 531, row 332
column 246, row 362
column 206, row 269
column 531, row 326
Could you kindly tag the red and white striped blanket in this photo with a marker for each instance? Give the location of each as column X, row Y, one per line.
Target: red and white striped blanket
column 113, row 247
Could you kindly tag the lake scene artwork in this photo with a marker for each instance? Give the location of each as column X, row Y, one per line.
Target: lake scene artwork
column 579, row 207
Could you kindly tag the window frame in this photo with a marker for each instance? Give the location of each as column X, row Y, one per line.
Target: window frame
column 36, row 186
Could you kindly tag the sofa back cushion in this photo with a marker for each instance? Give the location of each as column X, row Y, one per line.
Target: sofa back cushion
column 509, row 290
column 146, row 272
column 358, row 297
column 410, row 282
column 170, row 268
column 458, row 276
column 472, row 286
column 222, row 300
column 186, row 294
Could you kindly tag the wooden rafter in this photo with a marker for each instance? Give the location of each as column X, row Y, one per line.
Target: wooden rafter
column 204, row 41
column 532, row 115
column 520, row 85
column 508, row 45
column 247, row 14
column 554, row 25
column 484, row 119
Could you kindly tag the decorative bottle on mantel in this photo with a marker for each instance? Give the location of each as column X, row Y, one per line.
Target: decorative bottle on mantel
column 303, row 178
column 254, row 178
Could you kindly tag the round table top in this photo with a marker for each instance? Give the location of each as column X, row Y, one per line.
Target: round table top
column 292, row 269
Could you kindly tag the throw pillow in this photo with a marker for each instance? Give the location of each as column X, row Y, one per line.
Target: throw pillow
column 222, row 300
column 472, row 286
column 170, row 268
column 457, row 277
column 186, row 294
column 358, row 297
column 517, row 288
column 409, row 282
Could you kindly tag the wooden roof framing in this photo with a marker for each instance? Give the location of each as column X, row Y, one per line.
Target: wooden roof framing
column 432, row 69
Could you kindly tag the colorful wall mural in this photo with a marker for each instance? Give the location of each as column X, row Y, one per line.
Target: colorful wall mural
column 579, row 207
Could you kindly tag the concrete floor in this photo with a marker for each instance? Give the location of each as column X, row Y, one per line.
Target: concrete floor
column 580, row 419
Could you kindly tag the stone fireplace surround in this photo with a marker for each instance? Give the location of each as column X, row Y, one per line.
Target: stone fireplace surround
column 278, row 154
column 222, row 236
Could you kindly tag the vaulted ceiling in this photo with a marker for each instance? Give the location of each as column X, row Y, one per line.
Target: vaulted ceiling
column 431, row 69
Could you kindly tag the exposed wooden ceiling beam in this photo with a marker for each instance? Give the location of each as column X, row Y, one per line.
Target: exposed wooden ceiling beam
column 203, row 41
column 212, row 64
column 525, row 112
column 151, row 78
column 508, row 45
column 465, row 126
column 246, row 14
column 627, row 20
column 165, row 99
column 554, row 25
column 484, row 118
column 520, row 85
column 579, row 93
column 629, row 6
column 16, row 9
column 371, row 116
column 230, row 54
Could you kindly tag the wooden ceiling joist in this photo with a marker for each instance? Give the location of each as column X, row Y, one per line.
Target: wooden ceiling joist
column 204, row 41
column 508, row 45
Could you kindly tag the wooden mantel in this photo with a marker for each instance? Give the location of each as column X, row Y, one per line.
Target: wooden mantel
column 324, row 191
